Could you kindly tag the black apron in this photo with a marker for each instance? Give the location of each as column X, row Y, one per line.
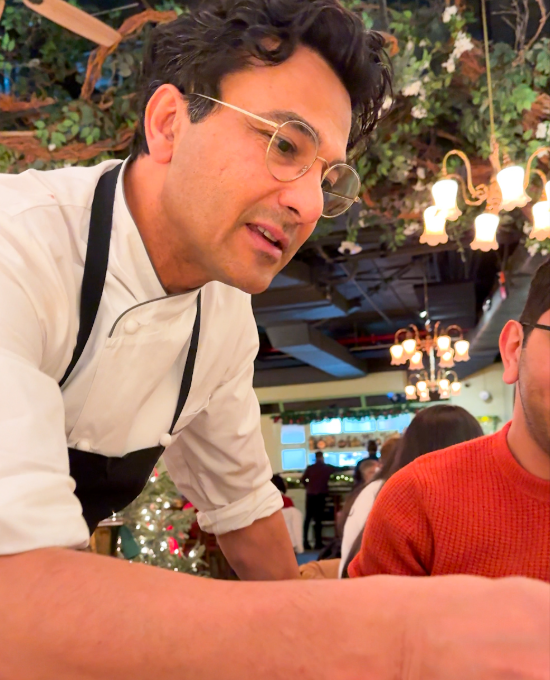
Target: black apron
column 105, row 485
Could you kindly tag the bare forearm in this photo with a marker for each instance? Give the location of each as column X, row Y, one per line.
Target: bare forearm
column 70, row 616
column 261, row 551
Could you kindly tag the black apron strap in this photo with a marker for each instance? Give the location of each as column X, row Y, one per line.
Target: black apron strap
column 189, row 365
column 97, row 259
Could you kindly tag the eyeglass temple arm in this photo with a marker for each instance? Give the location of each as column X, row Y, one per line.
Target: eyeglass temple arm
column 236, row 108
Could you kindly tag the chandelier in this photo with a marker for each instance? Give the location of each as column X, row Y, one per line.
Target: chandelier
column 506, row 189
column 437, row 342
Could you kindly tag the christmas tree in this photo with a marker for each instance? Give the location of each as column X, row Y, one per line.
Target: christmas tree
column 155, row 529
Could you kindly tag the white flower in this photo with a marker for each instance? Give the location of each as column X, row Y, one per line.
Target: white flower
column 422, row 43
column 463, row 43
column 449, row 13
column 421, row 172
column 349, row 248
column 533, row 250
column 412, row 228
column 419, row 111
column 543, row 130
column 412, row 89
column 33, row 63
column 526, row 228
column 544, row 252
column 422, row 95
column 67, row 164
column 419, row 186
column 410, row 46
column 52, row 147
column 449, row 65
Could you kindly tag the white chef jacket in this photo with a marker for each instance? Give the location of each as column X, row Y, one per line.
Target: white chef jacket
column 122, row 394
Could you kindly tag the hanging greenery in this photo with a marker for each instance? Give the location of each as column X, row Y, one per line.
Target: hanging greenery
column 62, row 102
column 306, row 417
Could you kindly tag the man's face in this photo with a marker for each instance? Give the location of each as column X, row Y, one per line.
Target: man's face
column 218, row 189
column 534, row 384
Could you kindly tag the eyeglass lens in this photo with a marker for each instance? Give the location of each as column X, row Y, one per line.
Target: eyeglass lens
column 291, row 153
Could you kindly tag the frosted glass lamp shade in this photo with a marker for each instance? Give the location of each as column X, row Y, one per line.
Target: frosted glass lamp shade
column 462, row 348
column 456, row 387
column 444, row 394
column 416, row 363
column 434, row 227
column 421, row 386
column 424, row 396
column 409, row 347
column 541, row 220
column 410, row 392
column 447, row 360
column 486, row 232
column 510, row 181
column 397, row 355
column 444, row 385
column 443, row 344
column 445, row 192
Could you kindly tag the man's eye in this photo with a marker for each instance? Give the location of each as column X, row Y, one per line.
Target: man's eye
column 284, row 146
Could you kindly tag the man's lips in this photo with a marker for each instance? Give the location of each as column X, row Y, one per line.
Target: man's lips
column 273, row 236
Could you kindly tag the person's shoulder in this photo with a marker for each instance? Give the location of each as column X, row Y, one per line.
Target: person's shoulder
column 42, row 189
column 457, row 459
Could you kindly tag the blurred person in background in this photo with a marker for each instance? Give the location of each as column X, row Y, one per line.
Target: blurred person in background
column 315, row 479
column 281, row 485
column 481, row 507
column 431, row 429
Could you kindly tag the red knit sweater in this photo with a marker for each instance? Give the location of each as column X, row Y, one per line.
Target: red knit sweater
column 469, row 509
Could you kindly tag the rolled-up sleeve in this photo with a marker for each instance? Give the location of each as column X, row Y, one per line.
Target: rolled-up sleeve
column 219, row 461
column 37, row 505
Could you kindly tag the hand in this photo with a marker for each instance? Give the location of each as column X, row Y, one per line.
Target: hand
column 465, row 628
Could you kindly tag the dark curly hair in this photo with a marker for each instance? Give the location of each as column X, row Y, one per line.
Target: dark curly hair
column 220, row 37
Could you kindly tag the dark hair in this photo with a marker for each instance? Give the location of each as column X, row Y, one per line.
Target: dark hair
column 432, row 429
column 372, row 446
column 195, row 51
column 538, row 300
column 319, row 454
column 279, row 483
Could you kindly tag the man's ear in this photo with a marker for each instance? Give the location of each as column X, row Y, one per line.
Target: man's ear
column 163, row 115
column 511, row 343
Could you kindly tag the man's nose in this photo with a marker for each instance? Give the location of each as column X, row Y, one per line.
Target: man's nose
column 304, row 196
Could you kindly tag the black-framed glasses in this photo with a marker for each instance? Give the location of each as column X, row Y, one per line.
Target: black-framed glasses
column 292, row 151
column 541, row 326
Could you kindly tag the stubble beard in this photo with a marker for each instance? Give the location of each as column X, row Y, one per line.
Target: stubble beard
column 537, row 421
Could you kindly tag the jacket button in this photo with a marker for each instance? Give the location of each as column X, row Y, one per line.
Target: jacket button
column 84, row 445
column 131, row 326
column 165, row 439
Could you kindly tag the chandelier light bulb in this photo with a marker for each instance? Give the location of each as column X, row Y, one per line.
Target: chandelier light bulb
column 444, row 394
column 410, row 392
column 434, row 227
column 421, row 386
column 444, row 193
column 462, row 348
column 541, row 219
column 510, row 181
column 424, row 396
column 416, row 361
column 397, row 357
column 456, row 387
column 486, row 232
column 409, row 347
column 443, row 344
column 444, row 385
column 447, row 360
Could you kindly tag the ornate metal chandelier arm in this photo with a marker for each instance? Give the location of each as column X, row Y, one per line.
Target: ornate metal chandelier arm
column 478, row 192
column 481, row 190
column 530, row 162
column 457, row 328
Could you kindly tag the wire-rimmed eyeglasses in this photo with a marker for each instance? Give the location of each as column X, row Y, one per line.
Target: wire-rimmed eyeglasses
column 291, row 152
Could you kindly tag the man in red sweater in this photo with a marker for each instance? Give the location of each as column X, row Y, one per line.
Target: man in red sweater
column 481, row 507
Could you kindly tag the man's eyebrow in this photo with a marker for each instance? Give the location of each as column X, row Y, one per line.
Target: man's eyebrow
column 279, row 116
